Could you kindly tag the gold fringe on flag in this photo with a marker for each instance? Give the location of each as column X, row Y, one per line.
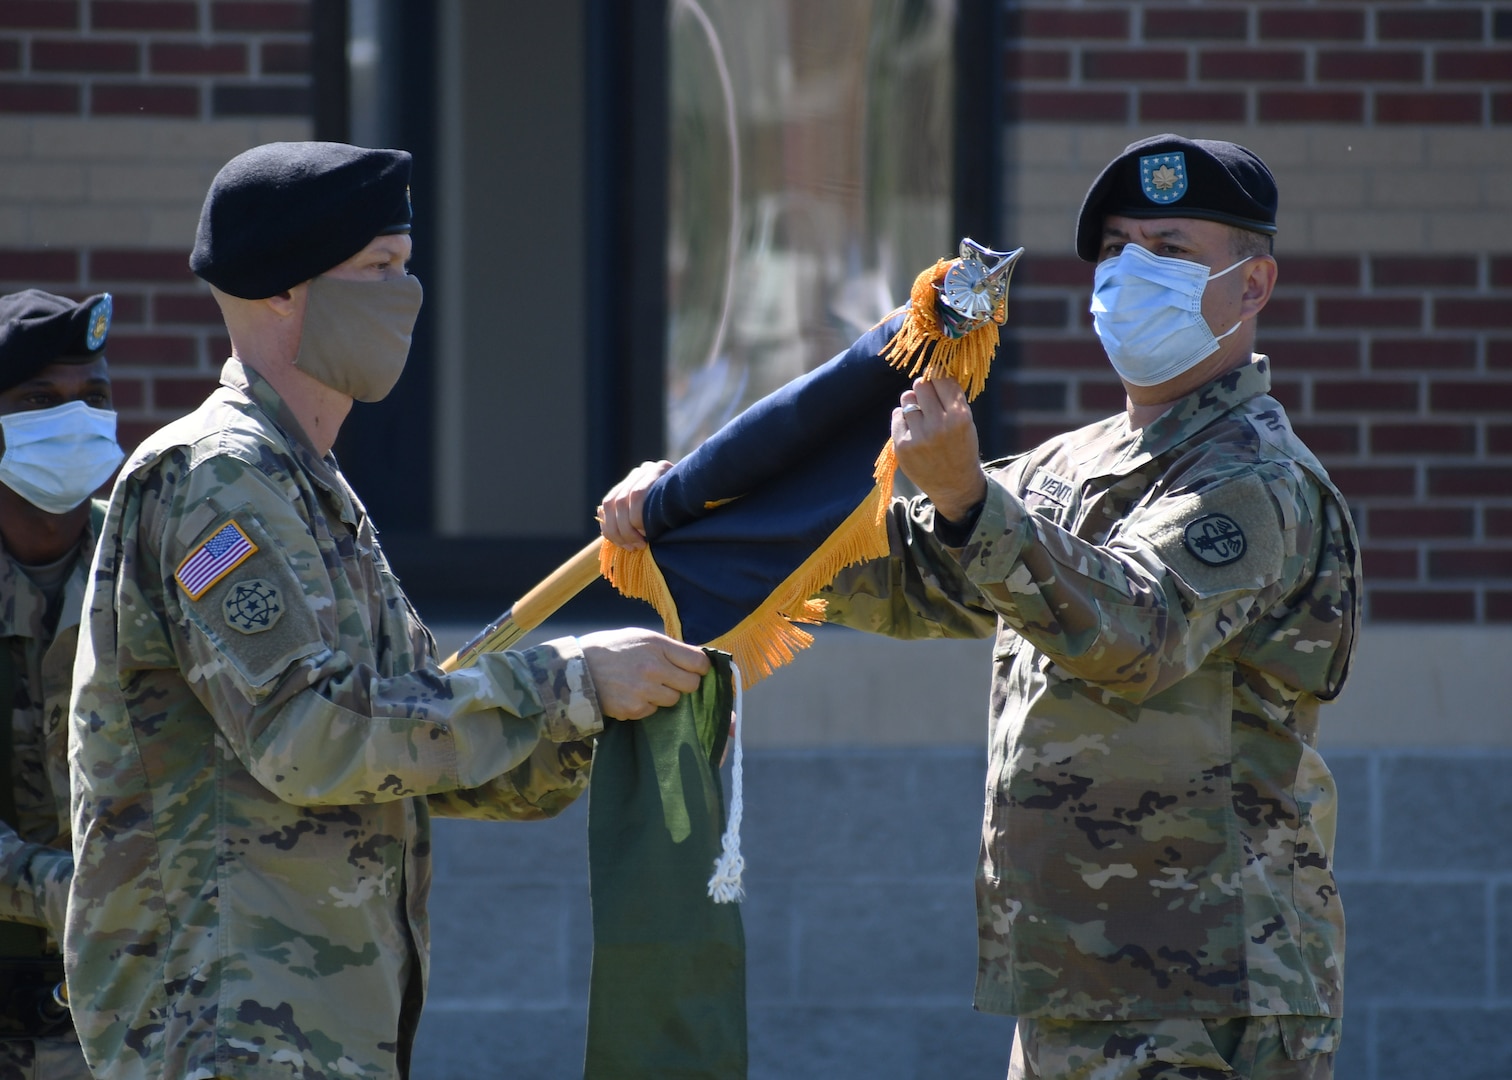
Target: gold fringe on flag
column 636, row 575
column 767, row 638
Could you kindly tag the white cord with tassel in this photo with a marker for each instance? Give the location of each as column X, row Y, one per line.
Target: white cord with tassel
column 726, row 886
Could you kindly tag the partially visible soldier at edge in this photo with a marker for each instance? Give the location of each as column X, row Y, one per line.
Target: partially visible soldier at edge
column 57, row 430
column 1173, row 591
column 259, row 729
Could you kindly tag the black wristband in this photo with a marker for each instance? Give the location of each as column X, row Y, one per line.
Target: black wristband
column 954, row 534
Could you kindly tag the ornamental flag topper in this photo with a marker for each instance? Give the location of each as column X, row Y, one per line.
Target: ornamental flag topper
column 748, row 527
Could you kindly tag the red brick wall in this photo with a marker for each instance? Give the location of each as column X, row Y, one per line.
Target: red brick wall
column 1260, row 63
column 1396, row 369
column 166, row 339
column 125, row 60
column 195, row 59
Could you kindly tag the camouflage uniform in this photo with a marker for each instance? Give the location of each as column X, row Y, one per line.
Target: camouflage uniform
column 254, row 770
column 1170, row 605
column 35, row 860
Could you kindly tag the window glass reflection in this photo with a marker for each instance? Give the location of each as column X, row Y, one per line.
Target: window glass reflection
column 810, row 181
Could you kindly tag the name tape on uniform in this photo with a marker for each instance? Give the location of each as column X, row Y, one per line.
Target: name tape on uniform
column 1055, row 488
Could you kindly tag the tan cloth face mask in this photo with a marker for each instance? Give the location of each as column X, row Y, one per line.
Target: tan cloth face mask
column 356, row 334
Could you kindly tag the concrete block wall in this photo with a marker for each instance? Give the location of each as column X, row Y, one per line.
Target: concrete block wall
column 1426, row 879
column 865, row 772
column 860, row 924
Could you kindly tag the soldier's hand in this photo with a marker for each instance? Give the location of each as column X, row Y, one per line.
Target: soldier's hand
column 935, row 437
column 619, row 515
column 637, row 672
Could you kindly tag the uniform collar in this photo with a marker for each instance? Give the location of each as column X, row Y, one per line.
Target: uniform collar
column 1191, row 414
column 23, row 605
column 251, row 385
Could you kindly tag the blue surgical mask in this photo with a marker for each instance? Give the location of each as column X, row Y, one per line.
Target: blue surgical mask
column 1147, row 311
column 56, row 458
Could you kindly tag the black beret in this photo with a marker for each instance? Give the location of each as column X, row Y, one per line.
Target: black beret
column 283, row 213
column 1169, row 176
column 38, row 328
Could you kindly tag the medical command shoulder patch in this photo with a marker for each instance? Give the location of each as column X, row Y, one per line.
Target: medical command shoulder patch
column 1163, row 177
column 252, row 606
column 226, row 549
column 1215, row 539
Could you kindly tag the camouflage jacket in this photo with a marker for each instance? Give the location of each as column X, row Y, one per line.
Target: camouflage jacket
column 1169, row 605
column 35, row 858
column 259, row 733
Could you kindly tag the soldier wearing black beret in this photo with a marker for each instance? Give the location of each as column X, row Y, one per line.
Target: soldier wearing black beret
column 57, row 431
column 261, row 731
column 1174, row 592
column 1168, row 176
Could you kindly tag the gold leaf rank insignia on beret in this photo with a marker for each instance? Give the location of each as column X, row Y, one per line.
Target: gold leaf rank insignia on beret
column 252, row 606
column 1163, row 177
column 1215, row 539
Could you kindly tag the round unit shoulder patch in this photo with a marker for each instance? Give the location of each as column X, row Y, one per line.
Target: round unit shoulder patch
column 252, row 606
column 1215, row 539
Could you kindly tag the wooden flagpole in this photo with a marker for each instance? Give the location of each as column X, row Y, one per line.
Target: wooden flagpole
column 532, row 609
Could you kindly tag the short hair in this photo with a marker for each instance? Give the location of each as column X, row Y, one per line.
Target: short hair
column 1246, row 243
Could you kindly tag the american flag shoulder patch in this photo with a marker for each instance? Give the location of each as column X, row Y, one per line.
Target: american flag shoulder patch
column 227, row 548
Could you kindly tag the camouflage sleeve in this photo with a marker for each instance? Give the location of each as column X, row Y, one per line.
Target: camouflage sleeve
column 541, row 786
column 920, row 591
column 1179, row 578
column 555, row 773
column 33, row 882
column 264, row 640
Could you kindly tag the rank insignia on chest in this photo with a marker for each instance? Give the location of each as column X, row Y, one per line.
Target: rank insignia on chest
column 1215, row 539
column 226, row 549
column 252, row 606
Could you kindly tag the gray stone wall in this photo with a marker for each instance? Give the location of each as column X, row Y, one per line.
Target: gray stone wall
column 860, row 925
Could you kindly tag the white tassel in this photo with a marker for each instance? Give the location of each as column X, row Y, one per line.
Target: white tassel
column 726, row 886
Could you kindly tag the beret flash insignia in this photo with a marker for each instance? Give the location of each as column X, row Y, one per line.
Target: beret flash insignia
column 99, row 323
column 1163, row 177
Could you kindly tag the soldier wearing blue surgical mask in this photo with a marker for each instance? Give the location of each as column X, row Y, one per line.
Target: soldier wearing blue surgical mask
column 1174, row 592
column 57, row 430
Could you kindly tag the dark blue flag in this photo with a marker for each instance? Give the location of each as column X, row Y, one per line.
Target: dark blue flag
column 744, row 530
